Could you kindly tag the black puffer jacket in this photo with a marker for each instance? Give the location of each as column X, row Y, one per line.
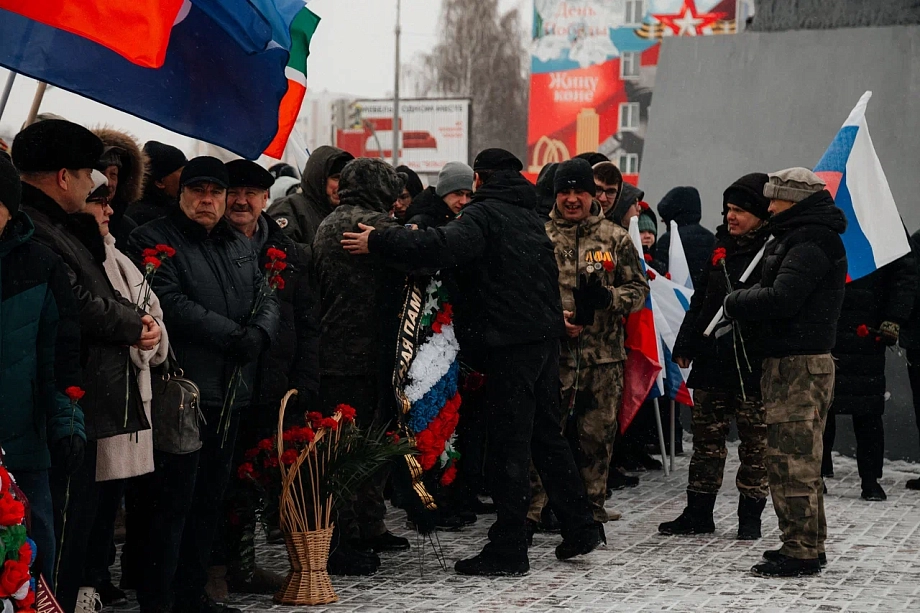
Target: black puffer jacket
column 207, row 292
column 546, row 190
column 910, row 331
column 885, row 295
column 802, row 284
column 682, row 204
column 109, row 323
column 428, row 210
column 503, row 264
column 299, row 215
column 714, row 366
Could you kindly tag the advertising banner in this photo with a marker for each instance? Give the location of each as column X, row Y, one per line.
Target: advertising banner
column 593, row 70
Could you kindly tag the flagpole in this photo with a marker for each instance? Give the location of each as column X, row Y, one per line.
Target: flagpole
column 7, row 89
column 673, row 407
column 664, row 452
column 36, row 103
column 396, row 91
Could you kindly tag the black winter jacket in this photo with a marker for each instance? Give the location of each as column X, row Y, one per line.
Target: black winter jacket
column 910, row 331
column 109, row 323
column 682, row 204
column 885, row 295
column 428, row 210
column 714, row 366
column 207, row 292
column 299, row 215
column 154, row 204
column 501, row 260
column 801, row 290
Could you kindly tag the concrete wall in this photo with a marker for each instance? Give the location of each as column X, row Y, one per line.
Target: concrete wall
column 725, row 106
column 776, row 15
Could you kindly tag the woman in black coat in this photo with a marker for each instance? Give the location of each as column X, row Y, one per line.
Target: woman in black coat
column 874, row 309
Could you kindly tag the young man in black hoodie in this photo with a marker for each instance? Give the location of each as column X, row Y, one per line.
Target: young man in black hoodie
column 797, row 303
column 724, row 380
column 509, row 321
column 683, row 205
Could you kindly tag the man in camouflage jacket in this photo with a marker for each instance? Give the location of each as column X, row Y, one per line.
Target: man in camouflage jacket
column 601, row 281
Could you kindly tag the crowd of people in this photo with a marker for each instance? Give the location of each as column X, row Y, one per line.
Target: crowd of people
column 122, row 266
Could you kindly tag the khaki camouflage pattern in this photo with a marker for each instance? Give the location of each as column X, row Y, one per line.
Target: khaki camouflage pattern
column 712, row 413
column 583, row 248
column 590, row 427
column 797, row 393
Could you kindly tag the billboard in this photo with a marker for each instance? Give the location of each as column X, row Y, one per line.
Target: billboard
column 432, row 133
column 593, row 70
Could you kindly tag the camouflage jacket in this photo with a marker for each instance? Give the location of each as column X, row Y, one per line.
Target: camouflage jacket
column 583, row 248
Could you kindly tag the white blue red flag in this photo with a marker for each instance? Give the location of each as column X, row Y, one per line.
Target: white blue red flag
column 670, row 303
column 678, row 267
column 875, row 234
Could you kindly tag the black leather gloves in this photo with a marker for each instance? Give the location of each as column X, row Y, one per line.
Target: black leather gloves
column 246, row 344
column 590, row 295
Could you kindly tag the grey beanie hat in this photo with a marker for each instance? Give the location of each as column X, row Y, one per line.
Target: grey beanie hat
column 454, row 177
column 793, row 185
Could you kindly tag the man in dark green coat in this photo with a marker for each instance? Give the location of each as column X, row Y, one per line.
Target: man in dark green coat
column 39, row 359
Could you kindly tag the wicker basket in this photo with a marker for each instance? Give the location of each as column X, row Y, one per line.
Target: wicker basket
column 308, row 582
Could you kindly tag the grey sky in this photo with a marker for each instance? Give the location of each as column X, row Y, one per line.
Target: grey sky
column 352, row 52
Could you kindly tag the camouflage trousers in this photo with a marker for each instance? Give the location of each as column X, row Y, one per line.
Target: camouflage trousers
column 590, row 425
column 797, row 393
column 712, row 413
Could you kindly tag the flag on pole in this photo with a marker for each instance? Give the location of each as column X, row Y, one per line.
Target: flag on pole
column 137, row 30
column 642, row 372
column 851, row 169
column 670, row 303
column 677, row 259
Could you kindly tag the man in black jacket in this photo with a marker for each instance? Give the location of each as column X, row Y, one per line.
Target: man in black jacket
column 299, row 215
column 726, row 371
column 208, row 291
column 683, row 205
column 798, row 304
column 56, row 158
column 161, row 187
column 440, row 204
column 509, row 323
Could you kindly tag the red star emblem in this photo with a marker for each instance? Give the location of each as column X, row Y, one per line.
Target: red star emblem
column 688, row 21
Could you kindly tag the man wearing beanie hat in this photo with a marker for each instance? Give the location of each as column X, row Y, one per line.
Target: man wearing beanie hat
column 601, row 282
column 36, row 297
column 509, row 322
column 208, row 290
column 795, row 309
column 161, row 188
column 440, row 204
column 720, row 390
column 56, row 160
column 409, row 193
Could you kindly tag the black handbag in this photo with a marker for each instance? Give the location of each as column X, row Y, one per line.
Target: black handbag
column 175, row 409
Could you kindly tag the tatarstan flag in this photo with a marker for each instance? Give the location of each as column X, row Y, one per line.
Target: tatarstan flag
column 302, row 29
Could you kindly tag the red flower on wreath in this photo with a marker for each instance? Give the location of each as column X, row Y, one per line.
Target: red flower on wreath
column 608, row 265
column 74, row 393
column 15, row 573
column 275, row 254
column 450, row 474
column 862, row 331
column 27, row 603
column 348, row 412
column 718, row 256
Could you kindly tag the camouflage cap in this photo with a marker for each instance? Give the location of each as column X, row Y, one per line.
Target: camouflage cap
column 793, row 185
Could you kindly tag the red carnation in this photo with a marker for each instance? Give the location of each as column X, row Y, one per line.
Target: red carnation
column 648, row 257
column 651, row 274
column 152, row 262
column 307, row 434
column 166, row 250
column 271, row 462
column 5, row 480
column 251, row 454
column 436, row 327
column 448, row 309
column 667, row 276
column 289, row 457
column 450, row 474
column 275, row 265
column 266, row 444
column 330, row 423
column 862, row 331
column 315, row 418
column 275, row 254
column 348, row 412
column 14, row 574
column 393, row 436
column 74, row 393
column 277, row 282
column 608, row 265
column 27, row 603
column 718, row 256
column 245, row 471
column 150, row 253
column 428, row 460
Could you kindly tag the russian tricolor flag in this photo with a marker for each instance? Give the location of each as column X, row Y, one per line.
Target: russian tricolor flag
column 875, row 234
column 670, row 303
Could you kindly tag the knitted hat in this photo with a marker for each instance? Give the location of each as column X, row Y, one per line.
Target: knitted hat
column 793, row 185
column 574, row 174
column 413, row 182
column 164, row 159
column 455, row 176
column 647, row 222
column 747, row 193
column 497, row 159
column 10, row 186
column 55, row 144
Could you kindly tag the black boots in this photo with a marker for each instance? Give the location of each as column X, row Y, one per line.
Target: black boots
column 784, row 566
column 872, row 491
column 696, row 518
column 749, row 512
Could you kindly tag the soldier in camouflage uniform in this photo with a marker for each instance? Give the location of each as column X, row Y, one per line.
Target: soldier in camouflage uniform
column 798, row 303
column 721, row 380
column 601, row 281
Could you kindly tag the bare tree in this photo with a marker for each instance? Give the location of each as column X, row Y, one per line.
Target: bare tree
column 481, row 55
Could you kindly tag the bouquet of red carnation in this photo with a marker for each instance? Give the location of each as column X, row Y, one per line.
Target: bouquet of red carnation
column 152, row 259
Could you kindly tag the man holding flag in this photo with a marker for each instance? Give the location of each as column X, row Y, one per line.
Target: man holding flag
column 798, row 302
column 726, row 370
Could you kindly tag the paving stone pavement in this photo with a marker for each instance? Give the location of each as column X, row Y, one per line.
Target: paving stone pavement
column 873, row 552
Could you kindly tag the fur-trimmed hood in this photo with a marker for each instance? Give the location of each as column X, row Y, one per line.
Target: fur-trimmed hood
column 132, row 177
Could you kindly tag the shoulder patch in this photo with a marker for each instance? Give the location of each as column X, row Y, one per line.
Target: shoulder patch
column 282, row 222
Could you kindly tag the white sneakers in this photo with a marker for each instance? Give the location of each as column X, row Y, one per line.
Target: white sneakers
column 88, row 601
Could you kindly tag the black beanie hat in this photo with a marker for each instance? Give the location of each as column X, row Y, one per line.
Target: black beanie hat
column 10, row 186
column 747, row 193
column 497, row 159
column 164, row 159
column 413, row 182
column 592, row 157
column 575, row 174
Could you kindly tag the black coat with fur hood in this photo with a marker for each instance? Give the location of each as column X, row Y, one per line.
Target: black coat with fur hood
column 131, row 179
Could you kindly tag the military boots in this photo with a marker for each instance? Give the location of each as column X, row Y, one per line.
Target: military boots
column 696, row 518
